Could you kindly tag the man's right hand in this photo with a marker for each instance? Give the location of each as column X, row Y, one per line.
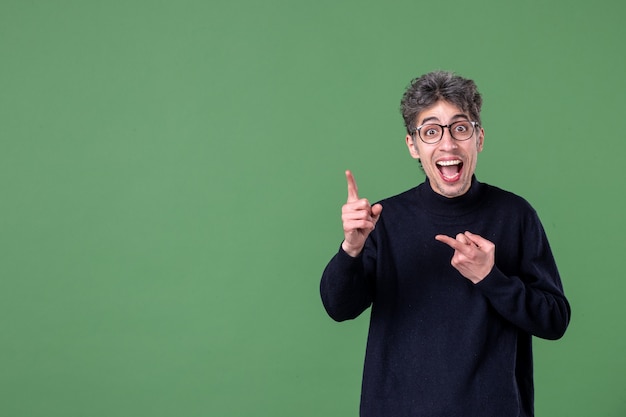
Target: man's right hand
column 359, row 219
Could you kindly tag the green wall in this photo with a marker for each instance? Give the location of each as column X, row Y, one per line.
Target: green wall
column 171, row 177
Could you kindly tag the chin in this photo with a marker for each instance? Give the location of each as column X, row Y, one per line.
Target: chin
column 452, row 190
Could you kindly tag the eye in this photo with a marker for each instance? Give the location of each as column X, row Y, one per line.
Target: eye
column 461, row 127
column 431, row 131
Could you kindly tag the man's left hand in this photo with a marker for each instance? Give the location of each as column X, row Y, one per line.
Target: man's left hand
column 474, row 256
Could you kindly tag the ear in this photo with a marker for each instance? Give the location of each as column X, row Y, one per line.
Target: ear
column 410, row 143
column 481, row 139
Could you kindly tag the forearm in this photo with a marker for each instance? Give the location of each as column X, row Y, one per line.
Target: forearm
column 538, row 307
column 345, row 288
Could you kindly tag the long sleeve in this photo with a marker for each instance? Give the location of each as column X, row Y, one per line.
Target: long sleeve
column 345, row 287
column 533, row 298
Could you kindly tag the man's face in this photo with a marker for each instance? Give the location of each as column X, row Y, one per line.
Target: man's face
column 449, row 164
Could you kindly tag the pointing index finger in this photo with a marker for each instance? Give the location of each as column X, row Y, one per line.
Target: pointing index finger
column 447, row 240
column 453, row 243
column 353, row 191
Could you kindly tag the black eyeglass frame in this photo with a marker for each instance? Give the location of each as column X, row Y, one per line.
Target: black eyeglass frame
column 443, row 127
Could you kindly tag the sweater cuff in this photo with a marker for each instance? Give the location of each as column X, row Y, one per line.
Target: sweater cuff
column 349, row 258
column 493, row 282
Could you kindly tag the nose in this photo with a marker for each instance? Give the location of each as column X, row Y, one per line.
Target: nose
column 447, row 141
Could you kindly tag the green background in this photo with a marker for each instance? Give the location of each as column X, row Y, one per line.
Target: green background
column 172, row 176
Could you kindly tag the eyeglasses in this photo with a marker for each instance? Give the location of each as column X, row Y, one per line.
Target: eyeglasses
column 432, row 132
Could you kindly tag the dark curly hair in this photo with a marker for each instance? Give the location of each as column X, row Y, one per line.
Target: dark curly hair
column 426, row 90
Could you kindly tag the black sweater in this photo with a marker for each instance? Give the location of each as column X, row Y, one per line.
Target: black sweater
column 438, row 344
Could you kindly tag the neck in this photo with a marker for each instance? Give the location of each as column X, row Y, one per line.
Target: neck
column 451, row 206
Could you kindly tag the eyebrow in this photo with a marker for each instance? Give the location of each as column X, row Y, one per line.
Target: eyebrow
column 453, row 118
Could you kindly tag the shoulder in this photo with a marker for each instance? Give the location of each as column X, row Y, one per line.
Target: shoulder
column 403, row 199
column 501, row 199
column 398, row 208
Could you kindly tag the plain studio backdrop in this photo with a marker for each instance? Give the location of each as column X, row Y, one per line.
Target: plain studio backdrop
column 171, row 177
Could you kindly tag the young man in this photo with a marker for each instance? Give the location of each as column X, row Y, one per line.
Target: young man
column 459, row 274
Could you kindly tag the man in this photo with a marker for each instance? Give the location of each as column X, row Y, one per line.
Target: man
column 459, row 274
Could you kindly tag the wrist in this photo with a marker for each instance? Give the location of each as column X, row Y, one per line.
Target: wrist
column 350, row 250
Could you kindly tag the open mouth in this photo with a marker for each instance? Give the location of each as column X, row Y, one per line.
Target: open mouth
column 450, row 170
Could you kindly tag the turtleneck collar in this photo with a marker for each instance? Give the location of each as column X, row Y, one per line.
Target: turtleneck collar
column 456, row 206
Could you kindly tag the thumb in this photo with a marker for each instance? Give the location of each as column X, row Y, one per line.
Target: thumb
column 476, row 239
column 376, row 210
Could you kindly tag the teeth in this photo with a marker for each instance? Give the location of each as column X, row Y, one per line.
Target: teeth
column 448, row 163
